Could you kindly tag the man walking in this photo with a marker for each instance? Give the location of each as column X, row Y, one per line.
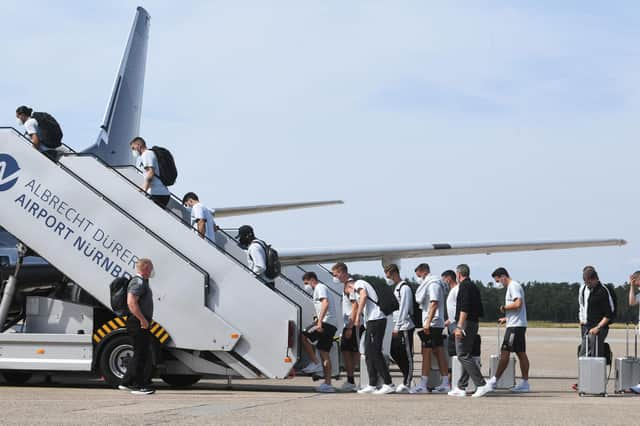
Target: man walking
column 468, row 313
column 322, row 331
column 402, row 339
column 515, row 310
column 140, row 303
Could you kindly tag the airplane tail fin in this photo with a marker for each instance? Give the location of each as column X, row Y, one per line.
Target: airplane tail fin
column 122, row 119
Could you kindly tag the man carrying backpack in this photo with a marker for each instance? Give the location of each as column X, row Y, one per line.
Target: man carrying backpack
column 403, row 327
column 152, row 184
column 140, row 305
column 261, row 257
column 369, row 303
column 43, row 130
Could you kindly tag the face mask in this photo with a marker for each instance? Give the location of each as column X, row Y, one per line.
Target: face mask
column 390, row 281
column 336, row 280
column 134, row 153
column 152, row 274
column 19, row 121
column 308, row 288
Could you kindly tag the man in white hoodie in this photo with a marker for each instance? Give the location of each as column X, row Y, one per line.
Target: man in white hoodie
column 402, row 339
column 430, row 297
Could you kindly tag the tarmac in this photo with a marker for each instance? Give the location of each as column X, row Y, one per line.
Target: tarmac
column 552, row 352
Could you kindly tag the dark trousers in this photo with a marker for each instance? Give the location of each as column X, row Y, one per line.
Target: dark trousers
column 464, row 351
column 376, row 364
column 161, row 200
column 402, row 354
column 139, row 368
column 596, row 343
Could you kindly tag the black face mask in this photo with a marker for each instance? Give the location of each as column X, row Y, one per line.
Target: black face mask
column 244, row 241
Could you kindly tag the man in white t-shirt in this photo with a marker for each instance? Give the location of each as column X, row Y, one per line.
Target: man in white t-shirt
column 430, row 297
column 634, row 299
column 515, row 310
column 256, row 254
column 201, row 217
column 32, row 130
column 321, row 332
column 350, row 338
column 375, row 323
column 147, row 161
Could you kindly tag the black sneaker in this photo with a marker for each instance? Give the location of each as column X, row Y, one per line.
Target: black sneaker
column 143, row 391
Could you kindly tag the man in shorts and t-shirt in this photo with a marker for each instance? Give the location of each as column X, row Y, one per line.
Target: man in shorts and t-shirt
column 515, row 311
column 322, row 331
column 350, row 339
column 430, row 297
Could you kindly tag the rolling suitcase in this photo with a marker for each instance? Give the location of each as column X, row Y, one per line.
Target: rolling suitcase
column 508, row 378
column 456, row 372
column 592, row 373
column 627, row 367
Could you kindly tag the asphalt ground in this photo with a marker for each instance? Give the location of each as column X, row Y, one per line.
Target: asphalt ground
column 83, row 400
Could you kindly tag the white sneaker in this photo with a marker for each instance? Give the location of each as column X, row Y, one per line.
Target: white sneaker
column 522, row 387
column 348, row 387
column 444, row 388
column 386, row 389
column 482, row 391
column 312, row 367
column 367, row 389
column 418, row 389
column 635, row 389
column 325, row 388
column 460, row 393
column 402, row 388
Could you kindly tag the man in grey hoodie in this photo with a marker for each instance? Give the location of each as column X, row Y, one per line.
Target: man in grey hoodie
column 402, row 339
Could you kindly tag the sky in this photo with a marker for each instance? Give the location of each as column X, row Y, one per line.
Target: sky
column 435, row 122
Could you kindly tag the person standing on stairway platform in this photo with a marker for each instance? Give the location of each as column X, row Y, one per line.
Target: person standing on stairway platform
column 147, row 161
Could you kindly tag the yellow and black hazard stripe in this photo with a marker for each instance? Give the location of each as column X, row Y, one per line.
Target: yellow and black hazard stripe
column 120, row 322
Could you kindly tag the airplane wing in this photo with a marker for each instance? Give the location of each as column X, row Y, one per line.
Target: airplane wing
column 266, row 208
column 327, row 255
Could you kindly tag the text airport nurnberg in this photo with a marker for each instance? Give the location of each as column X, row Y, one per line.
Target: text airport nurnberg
column 88, row 239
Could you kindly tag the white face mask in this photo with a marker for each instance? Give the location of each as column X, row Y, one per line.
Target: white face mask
column 308, row 288
column 420, row 280
column 336, row 280
column 152, row 274
column 390, row 281
column 134, row 153
column 20, row 123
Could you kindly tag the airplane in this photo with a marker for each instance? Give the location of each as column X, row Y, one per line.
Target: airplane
column 120, row 124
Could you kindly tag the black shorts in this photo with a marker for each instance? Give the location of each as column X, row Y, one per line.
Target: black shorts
column 433, row 340
column 351, row 344
column 514, row 340
column 324, row 339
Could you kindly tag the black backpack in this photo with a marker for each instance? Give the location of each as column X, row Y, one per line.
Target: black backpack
column 416, row 312
column 168, row 171
column 273, row 260
column 118, row 289
column 50, row 131
column 386, row 299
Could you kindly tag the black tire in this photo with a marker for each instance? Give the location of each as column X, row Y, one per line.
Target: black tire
column 114, row 358
column 179, row 380
column 16, row 377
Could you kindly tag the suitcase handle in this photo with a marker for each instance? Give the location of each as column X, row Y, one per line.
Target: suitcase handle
column 586, row 344
column 498, row 337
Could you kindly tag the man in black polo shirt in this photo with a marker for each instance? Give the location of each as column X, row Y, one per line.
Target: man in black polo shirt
column 600, row 311
column 468, row 313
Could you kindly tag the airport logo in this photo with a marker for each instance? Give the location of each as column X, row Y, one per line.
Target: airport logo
column 9, row 171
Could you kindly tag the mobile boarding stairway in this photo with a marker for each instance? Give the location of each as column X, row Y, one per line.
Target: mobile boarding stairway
column 92, row 222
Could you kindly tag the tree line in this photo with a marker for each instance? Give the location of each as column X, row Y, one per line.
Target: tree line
column 546, row 301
